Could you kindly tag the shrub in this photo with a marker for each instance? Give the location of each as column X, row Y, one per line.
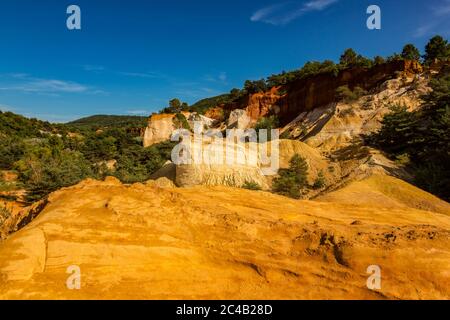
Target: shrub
column 320, row 181
column 4, row 214
column 286, row 135
column 251, row 185
column 268, row 123
column 292, row 180
column 345, row 94
column 181, row 122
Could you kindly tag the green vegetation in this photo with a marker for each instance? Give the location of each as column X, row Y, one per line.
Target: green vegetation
column 410, row 52
column 251, row 87
column 251, row 185
column 345, row 94
column 437, row 49
column 268, row 123
column 47, row 158
column 108, row 121
column 4, row 214
column 47, row 166
column 19, row 126
column 351, row 59
column 293, row 180
column 423, row 137
column 203, row 105
column 181, row 122
column 320, row 182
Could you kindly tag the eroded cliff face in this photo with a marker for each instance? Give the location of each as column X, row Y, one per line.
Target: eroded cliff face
column 253, row 165
column 313, row 92
column 160, row 128
column 340, row 124
column 317, row 91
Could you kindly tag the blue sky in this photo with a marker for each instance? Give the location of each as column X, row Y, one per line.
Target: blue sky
column 132, row 56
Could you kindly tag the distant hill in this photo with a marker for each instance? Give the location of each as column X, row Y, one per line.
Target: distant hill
column 110, row 121
column 12, row 124
column 205, row 104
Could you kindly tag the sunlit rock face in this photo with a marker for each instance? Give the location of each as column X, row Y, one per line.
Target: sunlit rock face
column 160, row 128
column 152, row 242
column 220, row 163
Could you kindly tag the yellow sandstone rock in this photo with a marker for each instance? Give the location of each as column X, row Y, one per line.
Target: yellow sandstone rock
column 142, row 242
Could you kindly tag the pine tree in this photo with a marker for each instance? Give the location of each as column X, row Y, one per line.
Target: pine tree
column 291, row 181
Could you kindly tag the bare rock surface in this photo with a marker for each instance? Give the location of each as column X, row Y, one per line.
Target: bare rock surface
column 142, row 242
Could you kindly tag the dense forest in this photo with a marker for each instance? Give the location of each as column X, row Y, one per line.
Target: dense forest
column 50, row 156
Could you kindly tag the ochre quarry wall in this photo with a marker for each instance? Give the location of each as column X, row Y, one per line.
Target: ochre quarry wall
column 319, row 90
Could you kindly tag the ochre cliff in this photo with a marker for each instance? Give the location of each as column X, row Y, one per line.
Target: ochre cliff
column 317, row 91
column 309, row 93
column 160, row 128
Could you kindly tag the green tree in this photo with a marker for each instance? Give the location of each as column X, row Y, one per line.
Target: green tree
column 349, row 58
column 251, row 87
column 320, row 182
column 175, row 105
column 184, row 106
column 437, row 48
column 235, row 94
column 293, row 180
column 48, row 167
column 423, row 136
column 398, row 130
column 410, row 52
column 379, row 60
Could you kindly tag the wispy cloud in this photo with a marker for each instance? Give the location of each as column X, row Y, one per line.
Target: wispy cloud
column 25, row 83
column 46, row 86
column 197, row 93
column 151, row 75
column 133, row 74
column 139, row 112
column 438, row 23
column 442, row 9
column 284, row 13
column 220, row 78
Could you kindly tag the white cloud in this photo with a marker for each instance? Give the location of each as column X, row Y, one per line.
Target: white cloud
column 284, row 13
column 139, row 112
column 140, row 74
column 443, row 9
column 220, row 78
column 25, row 83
